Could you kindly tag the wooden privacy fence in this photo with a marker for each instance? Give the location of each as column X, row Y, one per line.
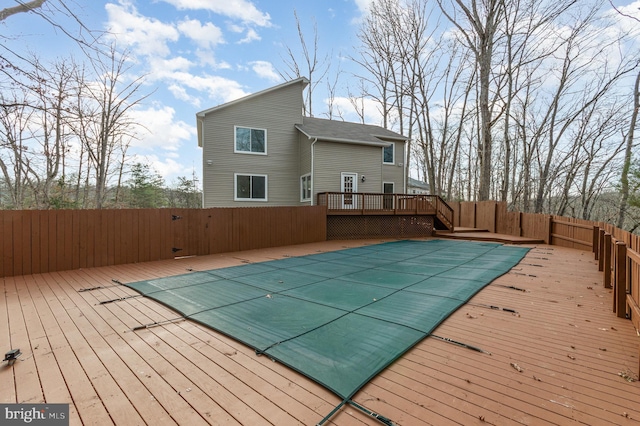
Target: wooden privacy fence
column 494, row 217
column 38, row 241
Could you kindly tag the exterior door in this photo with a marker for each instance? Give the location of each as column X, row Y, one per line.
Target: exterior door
column 349, row 184
column 387, row 200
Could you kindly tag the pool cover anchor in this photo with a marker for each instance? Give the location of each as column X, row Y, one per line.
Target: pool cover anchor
column 101, row 287
column 464, row 345
column 492, row 307
column 104, row 302
column 157, row 323
column 382, row 419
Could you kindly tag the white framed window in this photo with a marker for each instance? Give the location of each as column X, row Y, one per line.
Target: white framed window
column 305, row 187
column 250, row 141
column 249, row 187
column 389, row 154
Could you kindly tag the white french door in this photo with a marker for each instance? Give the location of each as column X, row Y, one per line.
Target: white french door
column 349, row 184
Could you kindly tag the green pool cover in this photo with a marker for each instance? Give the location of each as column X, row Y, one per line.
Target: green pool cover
column 338, row 317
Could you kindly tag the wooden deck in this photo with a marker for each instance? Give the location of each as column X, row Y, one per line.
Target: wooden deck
column 475, row 234
column 559, row 360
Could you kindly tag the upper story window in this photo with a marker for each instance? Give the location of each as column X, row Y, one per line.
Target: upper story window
column 250, row 140
column 388, row 154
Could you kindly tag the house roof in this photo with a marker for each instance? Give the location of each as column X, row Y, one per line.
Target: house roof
column 417, row 183
column 346, row 132
column 301, row 80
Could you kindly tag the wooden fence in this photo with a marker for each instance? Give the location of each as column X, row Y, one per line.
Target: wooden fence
column 38, row 241
column 494, row 217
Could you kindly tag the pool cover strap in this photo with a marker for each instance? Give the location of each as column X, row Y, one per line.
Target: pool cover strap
column 338, row 317
column 368, row 412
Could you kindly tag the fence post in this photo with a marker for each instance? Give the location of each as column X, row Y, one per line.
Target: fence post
column 620, row 274
column 606, row 264
column 600, row 256
column 550, row 233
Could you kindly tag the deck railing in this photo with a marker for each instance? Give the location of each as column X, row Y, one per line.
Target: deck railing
column 360, row 203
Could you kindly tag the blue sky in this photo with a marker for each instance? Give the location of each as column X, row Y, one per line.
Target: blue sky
column 197, row 54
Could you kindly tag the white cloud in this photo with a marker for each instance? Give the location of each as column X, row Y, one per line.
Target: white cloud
column 252, row 35
column 218, row 88
column 143, row 34
column 181, row 93
column 363, row 5
column 243, row 10
column 163, row 131
column 206, row 36
column 168, row 167
column 161, row 68
column 265, row 70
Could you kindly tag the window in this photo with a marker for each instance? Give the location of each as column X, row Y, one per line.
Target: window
column 250, row 187
column 388, row 154
column 251, row 140
column 305, row 188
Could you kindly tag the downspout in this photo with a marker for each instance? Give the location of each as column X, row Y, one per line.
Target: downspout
column 404, row 167
column 313, row 182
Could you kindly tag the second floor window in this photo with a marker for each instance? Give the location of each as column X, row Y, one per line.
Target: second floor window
column 388, row 154
column 251, row 140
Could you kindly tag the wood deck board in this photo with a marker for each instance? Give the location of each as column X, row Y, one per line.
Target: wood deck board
column 95, row 357
column 76, row 350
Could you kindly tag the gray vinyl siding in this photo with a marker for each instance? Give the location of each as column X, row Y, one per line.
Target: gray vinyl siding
column 277, row 112
column 393, row 172
column 331, row 159
column 304, row 162
column 305, row 155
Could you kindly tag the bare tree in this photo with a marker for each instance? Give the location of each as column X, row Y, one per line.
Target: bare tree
column 313, row 68
column 21, row 7
column 104, row 123
column 15, row 158
column 479, row 29
column 629, row 143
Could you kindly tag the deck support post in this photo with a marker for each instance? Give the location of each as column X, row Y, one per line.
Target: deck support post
column 606, row 264
column 600, row 256
column 620, row 274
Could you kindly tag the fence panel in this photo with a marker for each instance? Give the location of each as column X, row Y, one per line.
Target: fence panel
column 535, row 226
column 507, row 222
column 572, row 233
column 486, row 215
column 468, row 214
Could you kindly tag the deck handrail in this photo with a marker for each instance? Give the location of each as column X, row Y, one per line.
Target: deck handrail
column 362, row 203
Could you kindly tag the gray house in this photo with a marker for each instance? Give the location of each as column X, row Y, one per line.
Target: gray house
column 260, row 150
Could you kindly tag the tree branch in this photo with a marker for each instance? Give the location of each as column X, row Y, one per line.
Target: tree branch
column 20, row 8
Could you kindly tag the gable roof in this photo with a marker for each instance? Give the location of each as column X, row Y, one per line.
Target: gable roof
column 301, row 80
column 346, row 132
column 418, row 183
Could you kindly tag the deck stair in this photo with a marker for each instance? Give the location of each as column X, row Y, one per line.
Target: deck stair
column 479, row 234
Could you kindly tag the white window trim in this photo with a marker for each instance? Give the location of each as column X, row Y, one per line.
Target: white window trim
column 393, row 146
column 389, row 183
column 235, row 188
column 235, row 142
column 305, row 200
